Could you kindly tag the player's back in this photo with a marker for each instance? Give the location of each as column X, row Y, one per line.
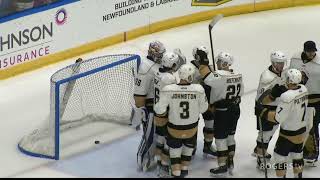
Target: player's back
column 144, row 78
column 186, row 102
column 225, row 85
column 292, row 109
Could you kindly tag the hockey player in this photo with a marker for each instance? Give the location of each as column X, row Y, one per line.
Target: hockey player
column 183, row 104
column 226, row 91
column 268, row 79
column 144, row 100
column 294, row 118
column 163, row 76
column 208, row 149
column 308, row 62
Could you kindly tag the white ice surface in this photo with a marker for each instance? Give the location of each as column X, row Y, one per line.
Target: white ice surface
column 24, row 100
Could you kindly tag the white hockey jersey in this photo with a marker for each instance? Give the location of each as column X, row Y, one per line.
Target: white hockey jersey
column 224, row 85
column 312, row 70
column 291, row 110
column 144, row 85
column 268, row 79
column 161, row 79
column 185, row 103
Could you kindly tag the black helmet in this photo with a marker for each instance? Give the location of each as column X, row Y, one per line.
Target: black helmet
column 309, row 46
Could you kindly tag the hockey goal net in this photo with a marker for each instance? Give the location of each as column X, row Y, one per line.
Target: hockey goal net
column 87, row 99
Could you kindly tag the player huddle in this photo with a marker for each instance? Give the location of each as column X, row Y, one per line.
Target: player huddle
column 171, row 94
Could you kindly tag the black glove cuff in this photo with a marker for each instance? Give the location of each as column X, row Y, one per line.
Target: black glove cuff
column 206, row 63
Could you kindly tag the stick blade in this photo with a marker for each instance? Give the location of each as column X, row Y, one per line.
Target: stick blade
column 215, row 20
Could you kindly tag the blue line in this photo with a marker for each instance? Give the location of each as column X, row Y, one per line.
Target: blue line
column 35, row 10
column 99, row 69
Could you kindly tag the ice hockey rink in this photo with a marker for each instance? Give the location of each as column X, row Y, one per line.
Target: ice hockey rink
column 24, row 100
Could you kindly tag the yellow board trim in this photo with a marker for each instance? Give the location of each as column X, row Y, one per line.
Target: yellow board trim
column 194, row 3
column 152, row 28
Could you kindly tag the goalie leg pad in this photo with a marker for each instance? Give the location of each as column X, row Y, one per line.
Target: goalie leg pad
column 146, row 151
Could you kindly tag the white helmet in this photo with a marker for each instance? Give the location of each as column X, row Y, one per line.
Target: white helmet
column 186, row 72
column 225, row 58
column 194, row 51
column 293, row 76
column 278, row 57
column 169, row 59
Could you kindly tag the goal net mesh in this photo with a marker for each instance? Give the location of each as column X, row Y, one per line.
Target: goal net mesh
column 97, row 91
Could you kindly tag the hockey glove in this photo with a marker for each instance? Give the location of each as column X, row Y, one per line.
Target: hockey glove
column 277, row 90
column 202, row 57
column 182, row 58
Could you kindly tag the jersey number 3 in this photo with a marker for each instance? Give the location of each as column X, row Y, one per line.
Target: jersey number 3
column 233, row 91
column 185, row 110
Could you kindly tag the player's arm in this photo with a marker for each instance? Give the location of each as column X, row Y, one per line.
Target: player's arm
column 206, row 74
column 161, row 107
column 280, row 114
column 203, row 101
column 141, row 88
column 276, row 92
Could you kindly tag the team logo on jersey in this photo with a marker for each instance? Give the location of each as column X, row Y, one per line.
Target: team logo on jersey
column 208, row 2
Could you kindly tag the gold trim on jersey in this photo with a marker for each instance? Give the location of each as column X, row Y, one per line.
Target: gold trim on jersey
column 160, row 121
column 140, row 101
column 183, row 134
column 204, row 71
column 298, row 139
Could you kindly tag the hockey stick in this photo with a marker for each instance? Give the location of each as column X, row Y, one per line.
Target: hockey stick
column 212, row 23
column 259, row 101
column 263, row 150
column 67, row 93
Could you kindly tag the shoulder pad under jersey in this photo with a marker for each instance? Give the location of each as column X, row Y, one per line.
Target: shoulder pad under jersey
column 289, row 95
column 169, row 87
column 168, row 79
column 267, row 77
column 317, row 59
column 297, row 56
column 199, row 88
column 147, row 65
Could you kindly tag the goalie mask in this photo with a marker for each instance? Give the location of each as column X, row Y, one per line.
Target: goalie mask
column 156, row 51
